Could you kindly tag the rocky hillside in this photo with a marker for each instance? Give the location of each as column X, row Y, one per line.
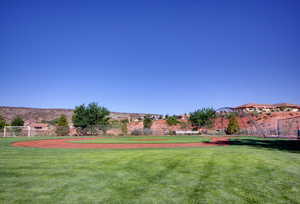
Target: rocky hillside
column 283, row 121
column 31, row 115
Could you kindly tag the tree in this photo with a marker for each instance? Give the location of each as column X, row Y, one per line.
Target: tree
column 147, row 122
column 2, row 122
column 172, row 120
column 91, row 118
column 202, row 117
column 233, row 126
column 17, row 121
column 62, row 126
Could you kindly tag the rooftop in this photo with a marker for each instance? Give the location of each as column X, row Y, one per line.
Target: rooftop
column 254, row 105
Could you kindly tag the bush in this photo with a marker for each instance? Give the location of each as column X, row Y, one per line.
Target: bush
column 255, row 113
column 171, row 132
column 2, row 122
column 17, row 121
column 62, row 128
column 147, row 122
column 115, row 124
column 283, row 108
column 184, row 125
column 234, row 114
column 233, row 126
column 172, row 120
column 124, row 127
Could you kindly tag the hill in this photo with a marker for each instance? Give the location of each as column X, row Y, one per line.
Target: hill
column 31, row 115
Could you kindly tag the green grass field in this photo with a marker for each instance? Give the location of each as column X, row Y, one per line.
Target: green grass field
column 148, row 139
column 249, row 171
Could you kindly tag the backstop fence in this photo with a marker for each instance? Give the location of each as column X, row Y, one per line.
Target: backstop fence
column 289, row 127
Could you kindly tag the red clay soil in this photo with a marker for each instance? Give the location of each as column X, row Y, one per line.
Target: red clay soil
column 65, row 143
column 150, row 139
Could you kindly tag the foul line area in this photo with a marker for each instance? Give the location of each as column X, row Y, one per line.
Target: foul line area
column 67, row 144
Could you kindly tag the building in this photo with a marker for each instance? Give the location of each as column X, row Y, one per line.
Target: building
column 39, row 126
column 267, row 108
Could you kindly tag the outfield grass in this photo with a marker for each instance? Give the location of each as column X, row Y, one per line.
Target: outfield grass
column 242, row 173
column 147, row 139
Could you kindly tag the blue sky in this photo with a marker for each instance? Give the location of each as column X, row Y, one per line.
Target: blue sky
column 166, row 57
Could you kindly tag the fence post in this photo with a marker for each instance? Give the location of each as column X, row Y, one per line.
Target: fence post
column 29, row 131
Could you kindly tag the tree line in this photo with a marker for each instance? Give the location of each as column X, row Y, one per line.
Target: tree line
column 94, row 119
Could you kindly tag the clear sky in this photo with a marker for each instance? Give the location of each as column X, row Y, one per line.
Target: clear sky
column 152, row 56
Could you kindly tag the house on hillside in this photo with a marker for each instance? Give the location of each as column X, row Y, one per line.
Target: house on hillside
column 267, row 108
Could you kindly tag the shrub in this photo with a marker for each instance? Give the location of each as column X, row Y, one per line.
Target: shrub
column 147, row 122
column 17, row 121
column 234, row 114
column 115, row 124
column 184, row 125
column 50, row 122
column 62, row 126
column 124, row 127
column 202, row 117
column 255, row 113
column 2, row 122
column 172, row 120
column 171, row 132
column 233, row 126
column 283, row 108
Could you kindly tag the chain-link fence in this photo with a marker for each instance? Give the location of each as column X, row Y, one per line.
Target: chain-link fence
column 289, row 127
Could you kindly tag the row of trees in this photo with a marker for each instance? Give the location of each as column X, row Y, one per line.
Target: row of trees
column 201, row 118
column 94, row 119
column 17, row 121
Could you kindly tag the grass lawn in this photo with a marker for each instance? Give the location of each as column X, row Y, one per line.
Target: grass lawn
column 249, row 171
column 147, row 139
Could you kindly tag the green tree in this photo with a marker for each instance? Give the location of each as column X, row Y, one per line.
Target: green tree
column 172, row 120
column 233, row 126
column 147, row 122
column 2, row 122
column 91, row 118
column 62, row 127
column 202, row 117
column 17, row 121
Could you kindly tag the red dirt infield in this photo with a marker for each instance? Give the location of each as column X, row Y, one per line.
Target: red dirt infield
column 64, row 143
